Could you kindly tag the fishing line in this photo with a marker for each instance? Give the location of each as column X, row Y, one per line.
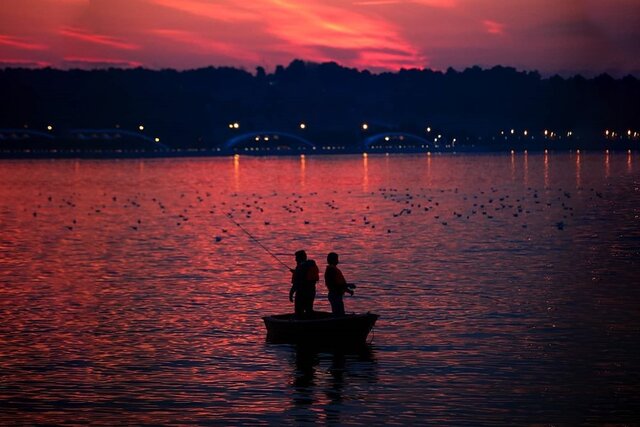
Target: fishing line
column 228, row 216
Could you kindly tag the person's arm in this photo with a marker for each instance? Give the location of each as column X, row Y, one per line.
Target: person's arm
column 342, row 282
column 293, row 285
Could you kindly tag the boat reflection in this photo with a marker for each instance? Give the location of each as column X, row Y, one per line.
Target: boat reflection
column 322, row 378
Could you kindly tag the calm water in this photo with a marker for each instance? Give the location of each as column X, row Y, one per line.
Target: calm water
column 507, row 288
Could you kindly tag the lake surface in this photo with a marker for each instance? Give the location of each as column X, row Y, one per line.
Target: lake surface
column 507, row 289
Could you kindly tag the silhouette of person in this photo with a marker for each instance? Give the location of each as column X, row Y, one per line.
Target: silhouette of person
column 303, row 284
column 336, row 284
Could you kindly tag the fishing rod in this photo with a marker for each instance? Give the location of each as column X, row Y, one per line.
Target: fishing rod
column 230, row 218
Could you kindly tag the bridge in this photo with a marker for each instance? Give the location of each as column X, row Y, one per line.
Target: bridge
column 396, row 141
column 263, row 142
column 104, row 135
column 24, row 134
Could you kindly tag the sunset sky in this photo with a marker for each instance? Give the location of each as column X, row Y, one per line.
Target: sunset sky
column 552, row 36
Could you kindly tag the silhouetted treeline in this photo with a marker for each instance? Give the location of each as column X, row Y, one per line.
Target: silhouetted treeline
column 194, row 108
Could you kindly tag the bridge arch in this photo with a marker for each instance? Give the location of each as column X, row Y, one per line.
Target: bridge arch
column 396, row 139
column 264, row 140
column 114, row 134
column 19, row 134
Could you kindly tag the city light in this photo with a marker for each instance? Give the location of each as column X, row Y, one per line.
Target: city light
column 141, row 127
column 629, row 132
column 303, row 126
column 428, row 128
column 49, row 128
column 526, row 133
column 365, row 126
column 606, row 132
column 236, row 125
column 386, row 138
column 513, row 131
column 546, row 132
column 157, row 139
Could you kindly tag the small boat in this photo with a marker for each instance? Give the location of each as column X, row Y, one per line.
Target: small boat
column 320, row 328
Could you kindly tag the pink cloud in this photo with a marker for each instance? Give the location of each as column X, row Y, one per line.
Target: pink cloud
column 22, row 63
column 206, row 45
column 93, row 62
column 302, row 30
column 317, row 24
column 20, row 43
column 432, row 3
column 493, row 27
column 86, row 36
column 216, row 11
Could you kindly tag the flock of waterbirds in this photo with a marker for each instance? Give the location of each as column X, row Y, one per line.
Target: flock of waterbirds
column 438, row 206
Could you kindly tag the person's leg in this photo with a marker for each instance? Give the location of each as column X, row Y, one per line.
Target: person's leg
column 299, row 305
column 337, row 305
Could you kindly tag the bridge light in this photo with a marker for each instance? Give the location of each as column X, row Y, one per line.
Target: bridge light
column 141, row 127
column 386, row 138
column 513, row 131
column 365, row 126
column 428, row 128
column 266, row 138
column 526, row 132
column 303, row 126
column 629, row 132
column 49, row 128
column 157, row 139
column 236, row 125
column 546, row 132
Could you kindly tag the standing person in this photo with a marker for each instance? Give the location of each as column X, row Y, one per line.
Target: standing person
column 336, row 284
column 303, row 284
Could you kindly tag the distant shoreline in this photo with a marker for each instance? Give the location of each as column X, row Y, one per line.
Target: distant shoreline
column 184, row 153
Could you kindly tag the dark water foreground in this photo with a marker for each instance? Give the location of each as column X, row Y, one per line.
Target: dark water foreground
column 506, row 285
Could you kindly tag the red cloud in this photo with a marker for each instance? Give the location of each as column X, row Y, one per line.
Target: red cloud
column 432, row 3
column 89, row 62
column 22, row 63
column 315, row 24
column 217, row 11
column 20, row 43
column 493, row 27
column 87, row 36
column 307, row 29
column 206, row 45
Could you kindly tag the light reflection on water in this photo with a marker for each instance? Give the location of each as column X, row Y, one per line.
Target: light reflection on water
column 506, row 287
